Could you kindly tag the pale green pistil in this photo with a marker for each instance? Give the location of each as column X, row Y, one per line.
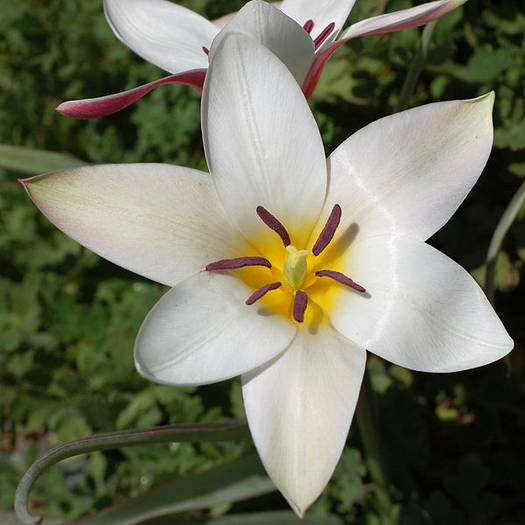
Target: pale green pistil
column 295, row 267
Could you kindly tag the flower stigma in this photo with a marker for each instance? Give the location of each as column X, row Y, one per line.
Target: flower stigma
column 295, row 267
column 290, row 270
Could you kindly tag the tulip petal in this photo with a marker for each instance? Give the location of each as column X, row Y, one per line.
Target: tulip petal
column 164, row 222
column 404, row 19
column 408, row 173
column 421, row 310
column 262, row 143
column 102, row 106
column 276, row 31
column 299, row 410
column 321, row 12
column 163, row 33
column 223, row 20
column 201, row 332
column 387, row 23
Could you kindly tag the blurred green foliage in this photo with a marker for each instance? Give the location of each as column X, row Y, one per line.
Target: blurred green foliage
column 453, row 444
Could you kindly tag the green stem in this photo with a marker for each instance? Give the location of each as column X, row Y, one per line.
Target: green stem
column 365, row 420
column 216, row 431
column 415, row 69
column 508, row 217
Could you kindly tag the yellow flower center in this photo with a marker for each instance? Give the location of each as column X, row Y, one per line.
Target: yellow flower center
column 282, row 280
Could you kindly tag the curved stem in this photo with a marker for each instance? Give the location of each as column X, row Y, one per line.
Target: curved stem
column 508, row 217
column 416, row 67
column 215, row 431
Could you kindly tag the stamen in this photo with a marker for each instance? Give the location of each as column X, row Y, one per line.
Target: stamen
column 308, row 26
column 340, row 278
column 262, row 291
column 328, row 231
column 323, row 35
column 206, row 50
column 299, row 305
column 239, row 262
column 273, row 224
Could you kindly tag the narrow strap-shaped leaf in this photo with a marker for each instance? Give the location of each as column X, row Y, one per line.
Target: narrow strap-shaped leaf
column 281, row 517
column 213, row 431
column 33, row 161
column 239, row 480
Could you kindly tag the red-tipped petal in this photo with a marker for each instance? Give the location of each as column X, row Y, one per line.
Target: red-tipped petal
column 403, row 19
column 101, row 106
column 312, row 77
column 387, row 23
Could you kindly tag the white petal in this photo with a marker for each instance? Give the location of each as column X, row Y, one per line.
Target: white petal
column 202, row 332
column 321, row 12
column 164, row 222
column 299, row 410
column 163, row 33
column 409, row 172
column 261, row 141
column 404, row 19
column 421, row 310
column 276, row 31
column 223, row 20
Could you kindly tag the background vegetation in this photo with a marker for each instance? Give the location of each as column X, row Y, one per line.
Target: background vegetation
column 454, row 444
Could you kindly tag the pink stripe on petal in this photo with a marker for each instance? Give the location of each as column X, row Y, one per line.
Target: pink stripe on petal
column 312, row 77
column 102, row 106
column 404, row 19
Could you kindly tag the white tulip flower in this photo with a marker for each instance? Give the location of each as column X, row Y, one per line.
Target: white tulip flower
column 302, row 33
column 286, row 267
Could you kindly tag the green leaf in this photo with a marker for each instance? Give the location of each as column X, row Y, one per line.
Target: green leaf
column 263, row 518
column 34, row 161
column 486, row 64
column 9, row 518
column 242, row 479
column 512, row 137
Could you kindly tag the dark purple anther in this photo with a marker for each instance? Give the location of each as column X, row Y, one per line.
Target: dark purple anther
column 308, row 26
column 323, row 35
column 299, row 305
column 206, row 50
column 239, row 262
column 328, row 231
column 340, row 278
column 273, row 224
column 262, row 291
